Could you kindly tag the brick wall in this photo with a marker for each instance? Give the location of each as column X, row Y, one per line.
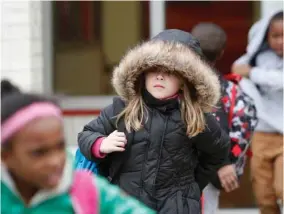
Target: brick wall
column 21, row 41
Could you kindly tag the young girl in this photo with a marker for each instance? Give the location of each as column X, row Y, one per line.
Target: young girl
column 149, row 140
column 36, row 174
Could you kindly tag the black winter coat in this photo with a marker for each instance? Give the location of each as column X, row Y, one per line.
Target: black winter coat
column 161, row 166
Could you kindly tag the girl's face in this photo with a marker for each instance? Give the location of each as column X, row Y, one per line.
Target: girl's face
column 275, row 36
column 37, row 154
column 162, row 85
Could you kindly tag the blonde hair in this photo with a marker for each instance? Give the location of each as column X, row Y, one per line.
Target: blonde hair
column 191, row 112
column 135, row 112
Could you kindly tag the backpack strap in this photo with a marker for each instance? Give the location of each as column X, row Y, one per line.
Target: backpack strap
column 118, row 159
column 232, row 106
column 84, row 195
column 235, row 78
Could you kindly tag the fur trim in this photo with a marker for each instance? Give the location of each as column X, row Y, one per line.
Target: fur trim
column 175, row 57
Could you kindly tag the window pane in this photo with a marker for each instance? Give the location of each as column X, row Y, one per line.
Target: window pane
column 89, row 39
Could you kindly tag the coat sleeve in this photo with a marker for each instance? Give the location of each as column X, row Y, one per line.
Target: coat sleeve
column 102, row 126
column 267, row 77
column 213, row 146
column 113, row 200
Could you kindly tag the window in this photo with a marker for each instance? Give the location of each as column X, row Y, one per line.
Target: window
column 90, row 37
column 76, row 21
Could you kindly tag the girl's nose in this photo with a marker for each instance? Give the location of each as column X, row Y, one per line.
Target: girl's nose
column 160, row 77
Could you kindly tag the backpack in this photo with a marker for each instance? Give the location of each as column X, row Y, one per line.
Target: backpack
column 225, row 120
column 83, row 163
column 235, row 78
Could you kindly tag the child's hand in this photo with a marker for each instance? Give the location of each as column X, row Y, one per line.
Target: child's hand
column 228, row 177
column 115, row 142
column 243, row 70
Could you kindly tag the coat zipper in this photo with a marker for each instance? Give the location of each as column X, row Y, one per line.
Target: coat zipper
column 160, row 152
column 145, row 158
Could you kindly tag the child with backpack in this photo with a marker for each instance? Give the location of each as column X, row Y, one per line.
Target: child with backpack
column 236, row 113
column 262, row 69
column 159, row 141
column 37, row 175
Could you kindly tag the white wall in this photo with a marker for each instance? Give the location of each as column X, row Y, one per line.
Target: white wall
column 21, row 32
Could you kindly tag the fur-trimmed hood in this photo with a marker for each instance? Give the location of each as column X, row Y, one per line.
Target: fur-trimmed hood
column 174, row 50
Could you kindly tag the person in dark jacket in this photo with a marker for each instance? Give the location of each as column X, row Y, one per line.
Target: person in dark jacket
column 159, row 141
column 236, row 114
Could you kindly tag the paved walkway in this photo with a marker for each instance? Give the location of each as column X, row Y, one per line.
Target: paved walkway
column 238, row 211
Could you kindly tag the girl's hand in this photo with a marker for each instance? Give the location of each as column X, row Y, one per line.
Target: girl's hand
column 115, row 142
